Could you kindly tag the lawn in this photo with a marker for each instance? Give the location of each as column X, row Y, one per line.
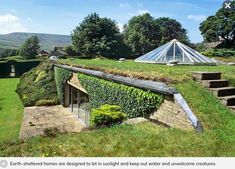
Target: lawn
column 146, row 139
column 11, row 110
column 156, row 72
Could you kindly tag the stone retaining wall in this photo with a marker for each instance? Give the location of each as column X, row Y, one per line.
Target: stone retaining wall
column 171, row 114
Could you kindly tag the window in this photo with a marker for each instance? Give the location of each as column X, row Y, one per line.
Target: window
column 79, row 104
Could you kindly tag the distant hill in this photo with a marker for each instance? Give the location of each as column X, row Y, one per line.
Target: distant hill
column 47, row 41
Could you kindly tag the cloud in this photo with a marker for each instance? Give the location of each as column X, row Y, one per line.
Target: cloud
column 120, row 26
column 197, row 17
column 142, row 11
column 10, row 23
column 137, row 12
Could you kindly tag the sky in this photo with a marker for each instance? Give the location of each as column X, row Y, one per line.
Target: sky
column 62, row 16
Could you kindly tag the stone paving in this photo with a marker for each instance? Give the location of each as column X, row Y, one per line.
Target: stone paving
column 37, row 119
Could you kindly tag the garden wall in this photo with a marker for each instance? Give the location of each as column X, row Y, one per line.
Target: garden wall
column 171, row 114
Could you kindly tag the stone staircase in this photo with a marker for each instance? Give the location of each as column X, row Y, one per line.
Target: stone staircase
column 219, row 87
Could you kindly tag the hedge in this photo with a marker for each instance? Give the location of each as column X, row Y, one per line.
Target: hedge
column 134, row 102
column 219, row 53
column 46, row 102
column 20, row 67
column 61, row 76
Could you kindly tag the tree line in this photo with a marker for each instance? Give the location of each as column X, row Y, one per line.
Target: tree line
column 100, row 36
column 8, row 52
column 97, row 36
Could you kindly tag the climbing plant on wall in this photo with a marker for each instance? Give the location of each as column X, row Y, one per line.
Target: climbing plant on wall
column 134, row 102
column 61, row 76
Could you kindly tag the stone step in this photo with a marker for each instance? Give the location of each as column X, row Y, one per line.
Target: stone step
column 215, row 83
column 228, row 100
column 223, row 91
column 206, row 75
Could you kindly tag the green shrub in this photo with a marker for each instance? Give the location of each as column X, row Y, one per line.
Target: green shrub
column 134, row 102
column 200, row 47
column 45, row 102
column 33, row 87
column 61, row 76
column 107, row 115
column 219, row 53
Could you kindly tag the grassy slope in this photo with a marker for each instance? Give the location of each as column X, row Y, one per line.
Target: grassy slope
column 11, row 110
column 38, row 84
column 151, row 71
column 217, row 120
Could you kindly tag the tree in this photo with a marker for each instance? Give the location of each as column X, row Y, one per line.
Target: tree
column 142, row 34
column 30, row 48
column 171, row 29
column 97, row 36
column 220, row 26
column 70, row 50
column 8, row 52
column 13, row 52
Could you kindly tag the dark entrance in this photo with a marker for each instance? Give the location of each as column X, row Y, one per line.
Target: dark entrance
column 79, row 104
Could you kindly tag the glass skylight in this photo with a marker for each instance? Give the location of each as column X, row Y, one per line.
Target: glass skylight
column 174, row 51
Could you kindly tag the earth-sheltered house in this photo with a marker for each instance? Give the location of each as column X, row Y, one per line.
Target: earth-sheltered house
column 82, row 89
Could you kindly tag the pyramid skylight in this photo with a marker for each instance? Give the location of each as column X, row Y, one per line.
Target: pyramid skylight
column 174, row 51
